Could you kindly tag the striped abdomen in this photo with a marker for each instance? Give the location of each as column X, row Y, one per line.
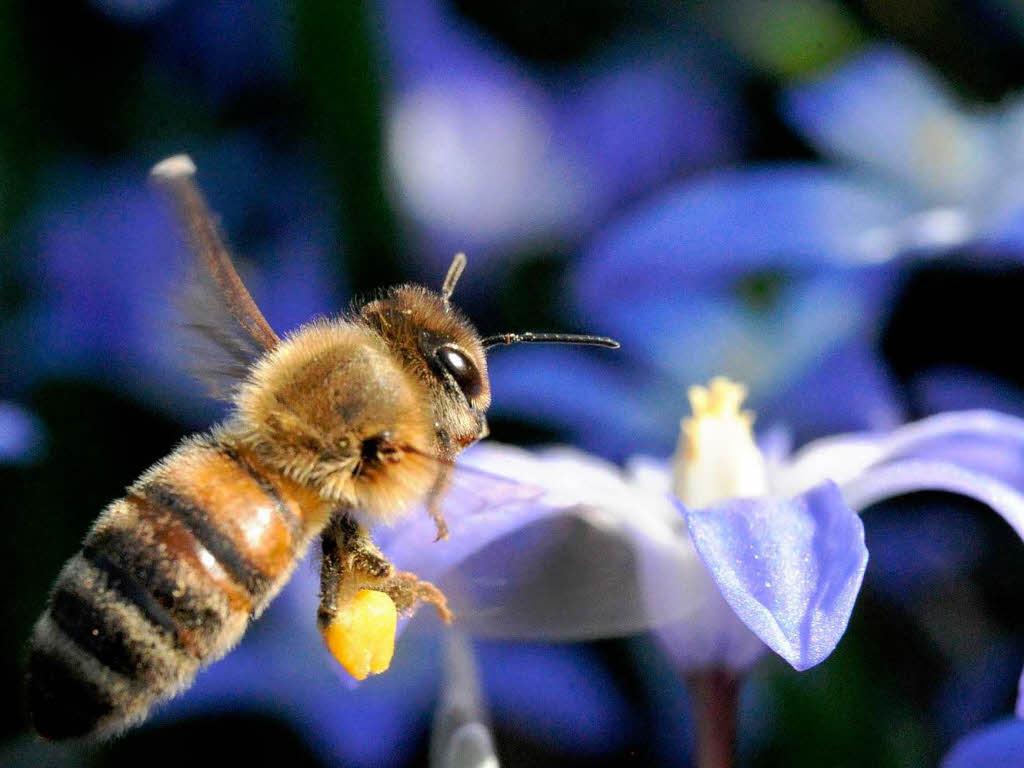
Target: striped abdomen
column 165, row 583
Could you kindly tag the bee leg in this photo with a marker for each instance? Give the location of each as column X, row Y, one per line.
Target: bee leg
column 356, row 617
column 350, row 561
column 434, row 497
column 361, row 596
column 407, row 591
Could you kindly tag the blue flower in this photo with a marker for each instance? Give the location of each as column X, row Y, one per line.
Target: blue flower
column 486, row 154
column 998, row 744
column 777, row 540
column 779, row 275
column 954, row 172
column 22, row 437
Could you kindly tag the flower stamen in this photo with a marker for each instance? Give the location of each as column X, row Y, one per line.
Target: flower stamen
column 717, row 458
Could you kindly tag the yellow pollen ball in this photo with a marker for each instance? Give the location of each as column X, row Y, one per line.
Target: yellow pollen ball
column 362, row 635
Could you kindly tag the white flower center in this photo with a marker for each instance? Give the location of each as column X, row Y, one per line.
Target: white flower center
column 717, row 458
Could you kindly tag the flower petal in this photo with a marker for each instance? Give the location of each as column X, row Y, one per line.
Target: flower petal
column 985, row 442
column 927, row 143
column 1020, row 697
column 790, row 569
column 643, row 117
column 713, row 636
column 909, row 475
column 842, row 388
column 709, row 232
column 593, row 557
column 999, row 744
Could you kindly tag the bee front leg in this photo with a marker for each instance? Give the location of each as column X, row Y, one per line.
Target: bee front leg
column 436, row 493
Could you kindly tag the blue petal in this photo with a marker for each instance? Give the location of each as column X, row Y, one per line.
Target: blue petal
column 886, row 111
column 635, row 121
column 790, row 569
column 817, row 340
column 713, row 636
column 909, row 475
column 844, row 389
column 1020, row 697
column 708, row 233
column 586, row 555
column 1001, row 744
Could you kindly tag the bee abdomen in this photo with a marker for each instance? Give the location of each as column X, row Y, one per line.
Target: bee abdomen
column 97, row 658
column 165, row 582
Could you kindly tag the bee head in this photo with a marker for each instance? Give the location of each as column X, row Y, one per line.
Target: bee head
column 438, row 346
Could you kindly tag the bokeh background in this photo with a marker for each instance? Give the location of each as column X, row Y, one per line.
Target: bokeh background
column 822, row 199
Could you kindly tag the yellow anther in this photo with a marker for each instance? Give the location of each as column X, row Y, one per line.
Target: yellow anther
column 720, row 398
column 717, row 458
column 362, row 634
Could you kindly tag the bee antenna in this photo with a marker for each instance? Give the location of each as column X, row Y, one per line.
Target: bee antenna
column 454, row 273
column 529, row 337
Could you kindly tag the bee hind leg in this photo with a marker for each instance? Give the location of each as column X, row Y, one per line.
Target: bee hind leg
column 361, row 596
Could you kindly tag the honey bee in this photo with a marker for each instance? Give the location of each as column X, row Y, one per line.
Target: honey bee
column 340, row 425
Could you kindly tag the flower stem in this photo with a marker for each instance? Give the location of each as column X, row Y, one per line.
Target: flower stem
column 714, row 693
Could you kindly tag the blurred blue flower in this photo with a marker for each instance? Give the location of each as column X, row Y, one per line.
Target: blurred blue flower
column 104, row 256
column 999, row 744
column 22, row 437
column 486, row 154
column 687, row 305
column 781, row 275
column 956, row 173
column 221, row 49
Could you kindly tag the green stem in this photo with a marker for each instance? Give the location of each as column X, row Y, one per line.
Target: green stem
column 714, row 693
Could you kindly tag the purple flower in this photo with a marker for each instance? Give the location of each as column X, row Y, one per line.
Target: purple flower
column 486, row 154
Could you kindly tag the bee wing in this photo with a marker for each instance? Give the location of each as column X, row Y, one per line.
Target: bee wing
column 228, row 327
column 521, row 564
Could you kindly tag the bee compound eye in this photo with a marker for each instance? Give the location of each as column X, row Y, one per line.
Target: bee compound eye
column 462, row 369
